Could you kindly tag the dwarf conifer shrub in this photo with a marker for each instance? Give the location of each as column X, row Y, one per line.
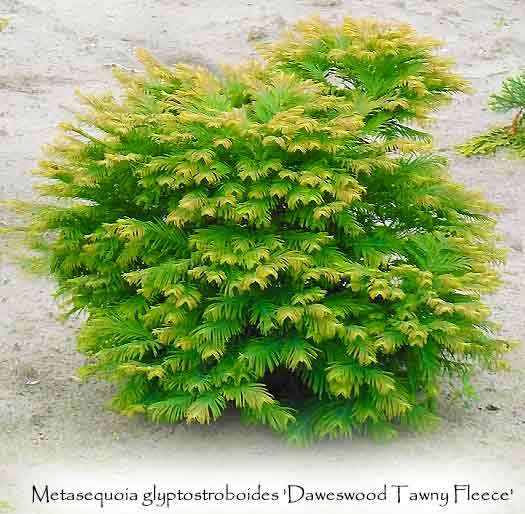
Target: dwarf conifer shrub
column 511, row 98
column 279, row 238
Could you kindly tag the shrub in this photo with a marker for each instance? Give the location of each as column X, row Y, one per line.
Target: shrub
column 278, row 238
column 510, row 98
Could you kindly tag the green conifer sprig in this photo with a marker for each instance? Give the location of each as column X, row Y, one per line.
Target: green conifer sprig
column 511, row 98
column 263, row 240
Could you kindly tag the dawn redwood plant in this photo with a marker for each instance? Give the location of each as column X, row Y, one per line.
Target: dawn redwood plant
column 511, row 98
column 279, row 238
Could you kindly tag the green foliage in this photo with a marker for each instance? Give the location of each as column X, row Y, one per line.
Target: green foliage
column 512, row 95
column 224, row 231
column 494, row 140
column 510, row 98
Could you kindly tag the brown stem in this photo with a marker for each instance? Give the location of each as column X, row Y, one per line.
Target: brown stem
column 516, row 122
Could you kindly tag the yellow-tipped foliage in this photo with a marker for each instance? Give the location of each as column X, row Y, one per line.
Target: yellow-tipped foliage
column 511, row 137
column 267, row 240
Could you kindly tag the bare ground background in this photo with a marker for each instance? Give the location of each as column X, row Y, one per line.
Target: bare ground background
column 57, row 430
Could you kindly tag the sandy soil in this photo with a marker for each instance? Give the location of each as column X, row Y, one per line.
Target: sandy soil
column 55, row 430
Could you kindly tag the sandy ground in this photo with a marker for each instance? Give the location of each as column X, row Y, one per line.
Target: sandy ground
column 57, row 431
